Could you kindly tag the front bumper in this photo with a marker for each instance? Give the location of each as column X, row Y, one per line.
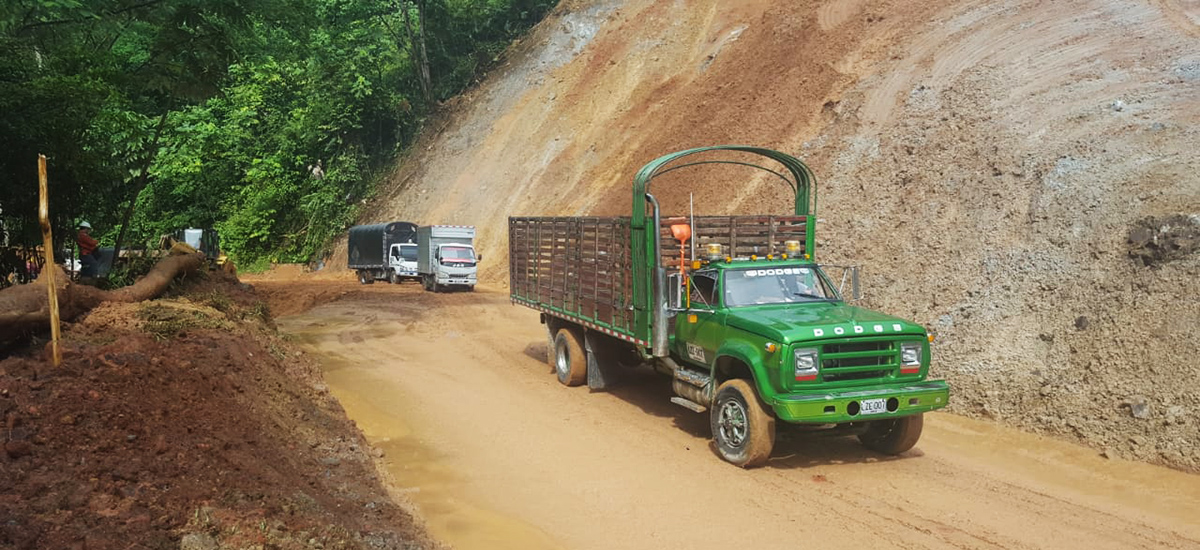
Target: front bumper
column 834, row 407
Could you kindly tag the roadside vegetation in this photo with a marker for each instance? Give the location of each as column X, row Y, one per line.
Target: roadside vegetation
column 164, row 114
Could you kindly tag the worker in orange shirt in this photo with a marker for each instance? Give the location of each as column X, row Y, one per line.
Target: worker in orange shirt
column 87, row 250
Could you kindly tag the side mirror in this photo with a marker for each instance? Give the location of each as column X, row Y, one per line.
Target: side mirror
column 849, row 275
column 674, row 292
column 479, row 258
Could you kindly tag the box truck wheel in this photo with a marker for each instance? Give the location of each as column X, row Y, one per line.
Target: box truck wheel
column 393, row 277
column 365, row 277
column 893, row 436
column 570, row 363
column 743, row 430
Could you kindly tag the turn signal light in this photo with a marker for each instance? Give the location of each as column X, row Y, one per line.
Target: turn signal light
column 771, row 347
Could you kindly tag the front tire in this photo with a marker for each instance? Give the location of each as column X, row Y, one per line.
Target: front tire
column 894, row 436
column 743, row 430
column 570, row 361
column 394, row 277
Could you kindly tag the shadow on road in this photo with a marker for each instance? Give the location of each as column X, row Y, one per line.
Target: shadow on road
column 794, row 448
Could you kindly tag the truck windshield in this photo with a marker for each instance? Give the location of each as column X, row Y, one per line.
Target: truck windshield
column 784, row 285
column 408, row 253
column 457, row 254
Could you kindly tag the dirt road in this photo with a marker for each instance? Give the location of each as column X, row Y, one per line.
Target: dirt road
column 496, row 454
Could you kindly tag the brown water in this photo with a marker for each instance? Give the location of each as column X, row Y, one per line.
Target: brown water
column 380, row 408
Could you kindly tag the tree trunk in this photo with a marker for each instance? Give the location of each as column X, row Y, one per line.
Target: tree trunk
column 25, row 308
column 143, row 179
column 416, row 41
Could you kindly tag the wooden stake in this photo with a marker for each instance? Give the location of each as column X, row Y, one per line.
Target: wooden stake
column 48, row 252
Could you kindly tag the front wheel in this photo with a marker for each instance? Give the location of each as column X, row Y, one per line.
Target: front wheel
column 393, row 277
column 894, row 436
column 570, row 363
column 743, row 430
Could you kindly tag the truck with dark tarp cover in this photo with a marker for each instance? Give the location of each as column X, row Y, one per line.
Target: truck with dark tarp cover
column 748, row 326
column 383, row 251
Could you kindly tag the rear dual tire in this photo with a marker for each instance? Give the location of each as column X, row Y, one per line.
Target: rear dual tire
column 365, row 277
column 568, row 357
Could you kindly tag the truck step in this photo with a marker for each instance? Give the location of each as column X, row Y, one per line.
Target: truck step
column 688, row 404
column 692, row 377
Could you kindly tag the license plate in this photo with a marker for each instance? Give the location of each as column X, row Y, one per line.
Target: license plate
column 872, row 406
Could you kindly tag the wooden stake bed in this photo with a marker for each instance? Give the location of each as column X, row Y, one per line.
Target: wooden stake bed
column 581, row 268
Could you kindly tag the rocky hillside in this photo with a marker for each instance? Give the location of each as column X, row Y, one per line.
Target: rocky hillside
column 1018, row 175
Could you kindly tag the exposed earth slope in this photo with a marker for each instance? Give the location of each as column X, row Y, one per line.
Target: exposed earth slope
column 1019, row 175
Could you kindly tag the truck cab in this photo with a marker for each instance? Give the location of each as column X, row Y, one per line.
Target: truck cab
column 402, row 258
column 812, row 357
column 456, row 265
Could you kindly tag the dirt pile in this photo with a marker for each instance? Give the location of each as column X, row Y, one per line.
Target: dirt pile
column 186, row 422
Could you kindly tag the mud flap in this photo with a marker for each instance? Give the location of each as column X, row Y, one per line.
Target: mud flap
column 550, row 332
column 601, row 373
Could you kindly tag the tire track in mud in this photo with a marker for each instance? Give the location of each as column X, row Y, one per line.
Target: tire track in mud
column 509, row 449
column 835, row 12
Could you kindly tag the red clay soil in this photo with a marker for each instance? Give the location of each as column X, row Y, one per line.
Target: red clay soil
column 186, row 422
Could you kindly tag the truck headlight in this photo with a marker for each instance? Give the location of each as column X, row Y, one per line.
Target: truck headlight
column 910, row 354
column 806, row 364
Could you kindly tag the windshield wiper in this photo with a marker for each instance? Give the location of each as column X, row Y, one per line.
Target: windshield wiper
column 807, row 295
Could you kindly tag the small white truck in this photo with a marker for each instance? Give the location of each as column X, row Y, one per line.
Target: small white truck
column 446, row 256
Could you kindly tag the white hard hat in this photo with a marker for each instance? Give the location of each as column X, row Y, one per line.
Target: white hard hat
column 85, row 225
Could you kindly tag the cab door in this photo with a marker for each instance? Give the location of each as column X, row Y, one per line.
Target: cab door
column 700, row 327
column 395, row 260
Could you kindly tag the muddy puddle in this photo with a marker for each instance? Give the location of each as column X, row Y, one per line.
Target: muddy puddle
column 379, row 408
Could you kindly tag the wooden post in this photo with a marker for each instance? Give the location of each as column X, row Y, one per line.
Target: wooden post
column 48, row 251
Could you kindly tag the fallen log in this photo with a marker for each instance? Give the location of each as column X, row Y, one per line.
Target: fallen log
column 25, row 309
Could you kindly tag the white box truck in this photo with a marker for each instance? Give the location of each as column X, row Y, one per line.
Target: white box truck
column 446, row 256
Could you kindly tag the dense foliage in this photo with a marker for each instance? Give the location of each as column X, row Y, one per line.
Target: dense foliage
column 215, row 113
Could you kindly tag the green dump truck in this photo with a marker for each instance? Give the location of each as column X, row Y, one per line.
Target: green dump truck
column 750, row 327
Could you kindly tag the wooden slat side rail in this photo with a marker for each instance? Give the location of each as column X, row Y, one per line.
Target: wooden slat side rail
column 577, row 266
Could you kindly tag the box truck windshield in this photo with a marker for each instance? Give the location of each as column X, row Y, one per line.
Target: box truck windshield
column 457, row 254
